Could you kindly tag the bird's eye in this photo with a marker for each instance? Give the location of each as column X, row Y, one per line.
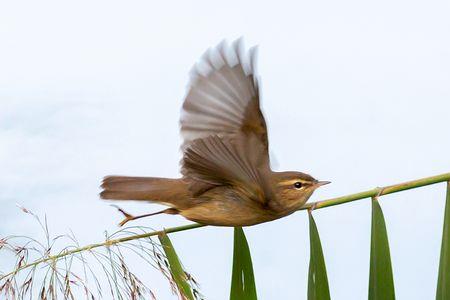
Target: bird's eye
column 298, row 185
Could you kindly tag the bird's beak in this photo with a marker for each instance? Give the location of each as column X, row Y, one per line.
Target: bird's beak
column 320, row 183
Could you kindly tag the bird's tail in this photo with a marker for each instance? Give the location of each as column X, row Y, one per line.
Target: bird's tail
column 167, row 191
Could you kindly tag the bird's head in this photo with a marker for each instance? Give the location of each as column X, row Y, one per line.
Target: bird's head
column 293, row 189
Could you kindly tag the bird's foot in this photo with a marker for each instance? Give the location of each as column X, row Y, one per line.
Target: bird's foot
column 380, row 192
column 312, row 207
column 127, row 216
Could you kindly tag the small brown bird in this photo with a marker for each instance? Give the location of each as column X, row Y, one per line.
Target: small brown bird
column 227, row 180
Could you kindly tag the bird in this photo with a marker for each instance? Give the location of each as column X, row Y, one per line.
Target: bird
column 226, row 178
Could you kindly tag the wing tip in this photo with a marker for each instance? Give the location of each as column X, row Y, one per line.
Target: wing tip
column 224, row 53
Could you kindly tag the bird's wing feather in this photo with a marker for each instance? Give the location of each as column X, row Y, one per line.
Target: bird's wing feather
column 239, row 162
column 223, row 96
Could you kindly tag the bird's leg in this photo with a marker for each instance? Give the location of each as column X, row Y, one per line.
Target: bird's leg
column 312, row 207
column 380, row 192
column 128, row 217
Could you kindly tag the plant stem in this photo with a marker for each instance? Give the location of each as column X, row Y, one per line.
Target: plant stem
column 106, row 243
column 380, row 191
column 314, row 205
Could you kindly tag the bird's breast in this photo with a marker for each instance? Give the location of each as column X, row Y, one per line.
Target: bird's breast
column 227, row 207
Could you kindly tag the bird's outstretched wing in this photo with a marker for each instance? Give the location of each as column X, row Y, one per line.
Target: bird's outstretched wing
column 240, row 162
column 223, row 97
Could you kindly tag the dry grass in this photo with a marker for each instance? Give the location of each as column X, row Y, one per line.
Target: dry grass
column 42, row 270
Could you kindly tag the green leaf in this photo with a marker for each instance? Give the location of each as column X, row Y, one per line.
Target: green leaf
column 178, row 274
column 381, row 281
column 242, row 279
column 317, row 278
column 443, row 286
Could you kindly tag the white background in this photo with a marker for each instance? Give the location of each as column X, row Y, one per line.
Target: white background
column 355, row 92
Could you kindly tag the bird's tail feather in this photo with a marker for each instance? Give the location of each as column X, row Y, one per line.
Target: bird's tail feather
column 167, row 191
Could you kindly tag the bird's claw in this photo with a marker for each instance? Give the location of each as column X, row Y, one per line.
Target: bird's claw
column 125, row 220
column 312, row 207
column 380, row 192
column 127, row 216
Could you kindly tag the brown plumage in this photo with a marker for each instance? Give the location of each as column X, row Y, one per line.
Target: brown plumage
column 227, row 180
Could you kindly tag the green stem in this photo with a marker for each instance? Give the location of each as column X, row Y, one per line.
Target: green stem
column 314, row 205
column 380, row 191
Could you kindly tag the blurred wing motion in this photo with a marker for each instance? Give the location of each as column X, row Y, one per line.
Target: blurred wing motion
column 224, row 131
column 223, row 96
column 220, row 161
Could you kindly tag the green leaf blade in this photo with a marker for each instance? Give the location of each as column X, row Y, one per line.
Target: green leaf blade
column 242, row 279
column 176, row 269
column 381, row 280
column 443, row 286
column 318, row 288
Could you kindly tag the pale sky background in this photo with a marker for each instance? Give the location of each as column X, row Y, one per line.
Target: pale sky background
column 356, row 92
